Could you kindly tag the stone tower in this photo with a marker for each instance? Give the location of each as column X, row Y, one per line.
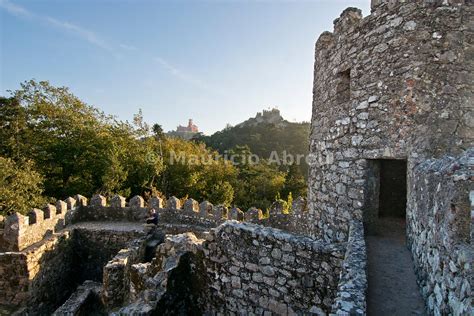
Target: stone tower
column 393, row 103
column 393, row 85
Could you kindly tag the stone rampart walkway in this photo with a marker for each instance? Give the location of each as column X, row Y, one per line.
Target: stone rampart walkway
column 392, row 283
column 114, row 226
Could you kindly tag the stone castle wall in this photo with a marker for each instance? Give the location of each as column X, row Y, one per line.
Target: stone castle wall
column 20, row 232
column 397, row 85
column 75, row 240
column 27, row 278
column 38, row 279
column 440, row 239
column 391, row 85
column 241, row 268
column 256, row 270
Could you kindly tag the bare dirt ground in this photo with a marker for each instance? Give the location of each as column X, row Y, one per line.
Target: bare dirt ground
column 392, row 283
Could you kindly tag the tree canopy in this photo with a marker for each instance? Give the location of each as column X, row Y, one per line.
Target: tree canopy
column 53, row 145
column 262, row 139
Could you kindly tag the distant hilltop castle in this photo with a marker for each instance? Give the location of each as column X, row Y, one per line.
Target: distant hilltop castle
column 271, row 116
column 185, row 132
column 191, row 128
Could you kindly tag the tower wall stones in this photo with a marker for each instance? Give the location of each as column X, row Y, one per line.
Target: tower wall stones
column 392, row 85
column 397, row 85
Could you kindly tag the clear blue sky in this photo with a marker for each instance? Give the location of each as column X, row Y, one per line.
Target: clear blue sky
column 217, row 62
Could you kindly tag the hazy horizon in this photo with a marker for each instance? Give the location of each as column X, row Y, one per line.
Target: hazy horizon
column 217, row 62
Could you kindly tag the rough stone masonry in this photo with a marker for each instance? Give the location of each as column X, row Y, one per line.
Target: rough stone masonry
column 393, row 86
column 397, row 86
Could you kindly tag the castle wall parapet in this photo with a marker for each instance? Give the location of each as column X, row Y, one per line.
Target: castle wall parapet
column 353, row 283
column 290, row 275
column 269, row 270
column 20, row 232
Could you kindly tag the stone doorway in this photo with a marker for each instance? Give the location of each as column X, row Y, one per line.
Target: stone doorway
column 393, row 188
column 392, row 283
column 386, row 193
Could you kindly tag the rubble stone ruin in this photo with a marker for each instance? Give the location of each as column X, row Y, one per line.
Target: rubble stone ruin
column 391, row 138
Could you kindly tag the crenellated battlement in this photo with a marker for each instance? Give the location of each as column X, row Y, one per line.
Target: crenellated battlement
column 351, row 19
column 18, row 232
column 348, row 18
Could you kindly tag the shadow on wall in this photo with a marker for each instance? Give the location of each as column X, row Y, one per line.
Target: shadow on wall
column 187, row 288
column 44, row 277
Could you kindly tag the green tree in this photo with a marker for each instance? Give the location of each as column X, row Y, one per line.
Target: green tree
column 75, row 147
column 158, row 131
column 257, row 182
column 20, row 187
column 194, row 170
column 295, row 182
column 13, row 129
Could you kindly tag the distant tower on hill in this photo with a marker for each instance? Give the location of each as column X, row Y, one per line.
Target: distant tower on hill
column 185, row 132
column 190, row 128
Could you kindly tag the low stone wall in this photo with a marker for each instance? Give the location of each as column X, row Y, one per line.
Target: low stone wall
column 254, row 269
column 85, row 301
column 96, row 246
column 14, row 280
column 239, row 268
column 174, row 282
column 116, row 281
column 38, row 279
column 352, row 287
column 439, row 230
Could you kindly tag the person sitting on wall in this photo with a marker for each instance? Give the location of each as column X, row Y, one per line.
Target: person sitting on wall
column 153, row 219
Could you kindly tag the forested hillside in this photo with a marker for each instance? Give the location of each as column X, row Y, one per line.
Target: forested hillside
column 53, row 145
column 263, row 138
